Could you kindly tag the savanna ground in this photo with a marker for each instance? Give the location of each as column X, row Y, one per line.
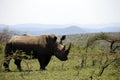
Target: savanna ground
column 81, row 65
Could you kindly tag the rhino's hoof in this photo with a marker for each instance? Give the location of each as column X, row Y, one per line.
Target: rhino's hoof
column 7, row 70
column 43, row 69
column 20, row 70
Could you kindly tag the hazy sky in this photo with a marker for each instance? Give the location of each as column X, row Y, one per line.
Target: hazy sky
column 59, row 11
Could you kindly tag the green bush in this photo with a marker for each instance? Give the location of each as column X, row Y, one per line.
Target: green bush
column 1, row 56
column 1, row 49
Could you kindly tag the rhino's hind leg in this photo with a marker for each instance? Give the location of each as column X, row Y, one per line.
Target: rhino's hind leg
column 44, row 62
column 6, row 63
column 18, row 63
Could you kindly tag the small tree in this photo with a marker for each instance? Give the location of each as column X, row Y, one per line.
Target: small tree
column 114, row 46
column 5, row 34
column 114, row 41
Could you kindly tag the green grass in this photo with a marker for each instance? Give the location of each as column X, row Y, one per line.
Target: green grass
column 57, row 70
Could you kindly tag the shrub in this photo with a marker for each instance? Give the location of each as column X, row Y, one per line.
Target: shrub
column 5, row 35
column 1, row 49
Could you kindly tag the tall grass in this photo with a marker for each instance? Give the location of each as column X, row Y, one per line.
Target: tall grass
column 1, row 56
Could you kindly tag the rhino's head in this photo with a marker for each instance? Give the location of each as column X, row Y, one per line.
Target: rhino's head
column 59, row 49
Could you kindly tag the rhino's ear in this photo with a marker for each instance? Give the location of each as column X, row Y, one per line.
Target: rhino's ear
column 63, row 37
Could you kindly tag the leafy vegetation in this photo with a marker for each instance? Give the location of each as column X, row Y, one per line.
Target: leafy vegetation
column 81, row 65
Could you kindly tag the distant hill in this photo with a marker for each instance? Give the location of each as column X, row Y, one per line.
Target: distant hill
column 104, row 28
column 37, row 29
column 68, row 30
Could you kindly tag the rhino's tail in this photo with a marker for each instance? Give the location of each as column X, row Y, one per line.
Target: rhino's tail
column 7, row 50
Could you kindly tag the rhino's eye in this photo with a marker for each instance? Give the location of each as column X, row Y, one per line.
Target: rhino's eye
column 61, row 42
column 55, row 38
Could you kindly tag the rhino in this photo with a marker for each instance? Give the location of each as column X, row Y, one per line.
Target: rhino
column 41, row 47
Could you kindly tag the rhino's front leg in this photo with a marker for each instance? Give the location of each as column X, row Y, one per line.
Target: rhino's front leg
column 18, row 63
column 44, row 62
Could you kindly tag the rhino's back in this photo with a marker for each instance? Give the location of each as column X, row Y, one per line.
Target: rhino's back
column 27, row 43
column 35, row 40
column 24, row 39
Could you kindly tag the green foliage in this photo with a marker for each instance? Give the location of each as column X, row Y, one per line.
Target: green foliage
column 71, row 69
column 1, row 49
column 19, row 54
column 57, row 70
column 101, row 36
column 113, row 40
column 1, row 55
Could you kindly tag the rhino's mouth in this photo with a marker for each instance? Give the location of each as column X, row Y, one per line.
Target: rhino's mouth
column 61, row 53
